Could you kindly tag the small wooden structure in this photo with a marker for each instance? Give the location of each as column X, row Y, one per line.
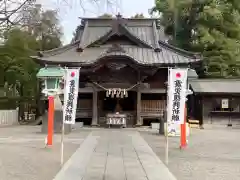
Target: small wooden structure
column 124, row 63
column 216, row 101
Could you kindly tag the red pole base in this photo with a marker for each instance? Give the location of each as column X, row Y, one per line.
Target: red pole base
column 183, row 136
column 184, row 132
column 50, row 120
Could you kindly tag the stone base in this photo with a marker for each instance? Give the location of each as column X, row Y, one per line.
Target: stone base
column 137, row 125
column 95, row 125
column 58, row 121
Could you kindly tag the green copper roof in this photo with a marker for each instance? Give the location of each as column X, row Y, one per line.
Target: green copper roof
column 51, row 72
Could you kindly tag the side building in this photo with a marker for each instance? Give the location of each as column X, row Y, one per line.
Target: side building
column 124, row 68
column 215, row 101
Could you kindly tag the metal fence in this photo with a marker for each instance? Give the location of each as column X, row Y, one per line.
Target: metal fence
column 8, row 117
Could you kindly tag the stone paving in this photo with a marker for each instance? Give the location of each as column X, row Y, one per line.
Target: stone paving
column 114, row 154
column 109, row 154
column 212, row 154
column 23, row 155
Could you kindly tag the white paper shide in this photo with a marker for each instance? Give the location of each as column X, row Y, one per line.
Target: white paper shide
column 70, row 96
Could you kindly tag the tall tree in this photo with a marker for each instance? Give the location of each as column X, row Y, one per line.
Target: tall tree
column 211, row 27
column 106, row 15
column 15, row 55
column 138, row 16
column 10, row 12
column 39, row 30
column 44, row 25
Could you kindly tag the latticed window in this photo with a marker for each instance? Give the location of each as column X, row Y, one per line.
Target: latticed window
column 51, row 83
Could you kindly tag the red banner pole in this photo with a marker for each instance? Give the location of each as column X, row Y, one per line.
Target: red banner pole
column 184, row 131
column 50, row 120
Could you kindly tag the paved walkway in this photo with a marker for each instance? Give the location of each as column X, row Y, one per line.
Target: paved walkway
column 109, row 154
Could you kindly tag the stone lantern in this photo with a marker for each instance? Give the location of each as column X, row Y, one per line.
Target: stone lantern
column 52, row 79
column 52, row 86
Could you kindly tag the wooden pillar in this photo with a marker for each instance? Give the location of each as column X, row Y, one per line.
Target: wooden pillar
column 139, row 119
column 200, row 106
column 95, row 108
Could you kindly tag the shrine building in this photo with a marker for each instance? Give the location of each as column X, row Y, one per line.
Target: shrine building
column 124, row 68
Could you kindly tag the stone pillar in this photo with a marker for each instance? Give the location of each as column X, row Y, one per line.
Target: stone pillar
column 95, row 108
column 58, row 119
column 139, row 119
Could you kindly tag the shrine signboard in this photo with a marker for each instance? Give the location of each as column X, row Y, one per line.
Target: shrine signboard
column 225, row 103
column 70, row 96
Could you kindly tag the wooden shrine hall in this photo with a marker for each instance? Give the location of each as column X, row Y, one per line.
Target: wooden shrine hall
column 124, row 68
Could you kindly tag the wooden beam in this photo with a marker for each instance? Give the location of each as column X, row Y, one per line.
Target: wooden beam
column 153, row 91
column 85, row 90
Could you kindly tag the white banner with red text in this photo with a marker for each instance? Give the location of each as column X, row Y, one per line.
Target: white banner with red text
column 70, row 95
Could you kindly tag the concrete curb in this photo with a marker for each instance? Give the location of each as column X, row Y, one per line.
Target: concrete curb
column 73, row 169
column 152, row 165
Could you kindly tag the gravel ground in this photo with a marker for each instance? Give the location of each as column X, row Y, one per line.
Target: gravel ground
column 212, row 153
column 24, row 156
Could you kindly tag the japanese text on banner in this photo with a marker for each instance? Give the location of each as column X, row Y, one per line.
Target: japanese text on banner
column 177, row 95
column 70, row 96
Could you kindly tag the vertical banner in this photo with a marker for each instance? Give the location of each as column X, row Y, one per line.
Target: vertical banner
column 177, row 84
column 70, row 95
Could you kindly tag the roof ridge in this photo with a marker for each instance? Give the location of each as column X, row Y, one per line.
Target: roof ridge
column 119, row 29
column 58, row 50
column 181, row 51
column 80, row 46
column 215, row 79
column 113, row 18
column 155, row 37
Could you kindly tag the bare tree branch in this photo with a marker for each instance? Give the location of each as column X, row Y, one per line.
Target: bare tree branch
column 9, row 11
column 100, row 6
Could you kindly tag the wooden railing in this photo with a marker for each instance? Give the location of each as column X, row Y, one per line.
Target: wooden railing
column 84, row 109
column 153, row 106
column 84, row 104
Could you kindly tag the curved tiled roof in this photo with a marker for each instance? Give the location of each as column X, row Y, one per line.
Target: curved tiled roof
column 140, row 55
column 150, row 47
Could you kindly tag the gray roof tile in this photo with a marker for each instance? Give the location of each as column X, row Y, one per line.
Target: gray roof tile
column 140, row 55
column 96, row 28
column 145, row 33
column 143, row 29
column 93, row 34
column 216, row 85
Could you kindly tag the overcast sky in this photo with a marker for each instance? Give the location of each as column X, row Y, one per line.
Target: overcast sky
column 70, row 10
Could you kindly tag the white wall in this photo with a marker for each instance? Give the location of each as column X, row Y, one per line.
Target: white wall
column 8, row 117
